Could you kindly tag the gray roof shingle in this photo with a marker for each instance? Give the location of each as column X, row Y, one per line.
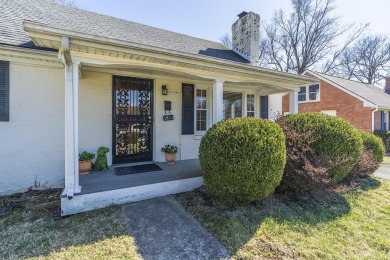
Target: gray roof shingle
column 13, row 12
column 368, row 92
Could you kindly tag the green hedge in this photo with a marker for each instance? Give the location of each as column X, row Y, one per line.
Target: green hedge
column 242, row 159
column 374, row 144
column 385, row 136
column 335, row 142
column 371, row 156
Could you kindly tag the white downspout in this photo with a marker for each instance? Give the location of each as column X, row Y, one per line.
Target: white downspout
column 373, row 119
column 71, row 120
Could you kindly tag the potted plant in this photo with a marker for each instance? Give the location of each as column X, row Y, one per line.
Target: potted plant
column 170, row 151
column 85, row 162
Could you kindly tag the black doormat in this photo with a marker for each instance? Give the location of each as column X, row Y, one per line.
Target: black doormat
column 137, row 169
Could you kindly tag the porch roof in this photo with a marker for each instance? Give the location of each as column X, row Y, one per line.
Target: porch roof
column 75, row 19
column 94, row 50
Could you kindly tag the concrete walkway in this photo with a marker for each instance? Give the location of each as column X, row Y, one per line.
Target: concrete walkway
column 383, row 172
column 164, row 230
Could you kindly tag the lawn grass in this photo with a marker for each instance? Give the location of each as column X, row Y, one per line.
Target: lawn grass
column 354, row 225
column 31, row 228
column 386, row 159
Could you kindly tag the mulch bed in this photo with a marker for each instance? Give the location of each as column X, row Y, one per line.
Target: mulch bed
column 37, row 203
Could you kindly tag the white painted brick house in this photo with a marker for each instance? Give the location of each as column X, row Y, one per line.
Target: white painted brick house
column 73, row 80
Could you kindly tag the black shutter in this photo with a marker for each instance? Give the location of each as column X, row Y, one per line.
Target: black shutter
column 187, row 123
column 4, row 91
column 264, row 107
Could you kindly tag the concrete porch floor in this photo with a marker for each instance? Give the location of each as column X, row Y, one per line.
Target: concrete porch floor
column 102, row 189
column 108, row 180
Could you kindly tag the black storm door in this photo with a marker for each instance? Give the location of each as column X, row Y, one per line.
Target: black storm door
column 132, row 119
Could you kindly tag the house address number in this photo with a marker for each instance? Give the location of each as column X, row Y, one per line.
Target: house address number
column 167, row 117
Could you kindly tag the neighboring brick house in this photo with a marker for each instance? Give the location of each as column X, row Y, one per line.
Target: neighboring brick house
column 365, row 106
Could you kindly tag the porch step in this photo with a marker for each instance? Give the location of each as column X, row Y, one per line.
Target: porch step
column 86, row 202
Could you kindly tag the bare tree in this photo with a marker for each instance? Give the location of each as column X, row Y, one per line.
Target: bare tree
column 366, row 60
column 307, row 37
column 226, row 39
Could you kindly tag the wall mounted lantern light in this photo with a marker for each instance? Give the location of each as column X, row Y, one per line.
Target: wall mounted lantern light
column 164, row 90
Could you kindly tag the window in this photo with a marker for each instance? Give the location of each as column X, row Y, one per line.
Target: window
column 232, row 105
column 4, row 91
column 201, row 110
column 383, row 121
column 302, row 94
column 309, row 93
column 250, row 105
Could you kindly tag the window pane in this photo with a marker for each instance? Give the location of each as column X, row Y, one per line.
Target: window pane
column 201, row 121
column 302, row 97
column 201, row 110
column 201, row 99
column 232, row 105
column 313, row 92
column 302, row 94
column 250, row 105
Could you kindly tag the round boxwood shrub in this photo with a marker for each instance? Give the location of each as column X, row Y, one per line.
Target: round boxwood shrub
column 242, row 159
column 320, row 149
column 385, row 136
column 370, row 158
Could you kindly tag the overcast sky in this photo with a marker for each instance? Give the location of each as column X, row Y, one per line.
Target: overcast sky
column 210, row 19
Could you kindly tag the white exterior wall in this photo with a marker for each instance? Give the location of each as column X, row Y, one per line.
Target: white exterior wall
column 274, row 105
column 32, row 142
column 95, row 112
column 95, row 115
column 167, row 132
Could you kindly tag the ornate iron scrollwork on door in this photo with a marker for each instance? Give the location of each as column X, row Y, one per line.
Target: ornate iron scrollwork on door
column 132, row 119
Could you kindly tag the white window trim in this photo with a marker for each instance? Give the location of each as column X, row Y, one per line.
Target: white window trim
column 208, row 110
column 244, row 97
column 307, row 95
column 246, row 103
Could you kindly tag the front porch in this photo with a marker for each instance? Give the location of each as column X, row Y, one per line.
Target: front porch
column 102, row 189
column 136, row 98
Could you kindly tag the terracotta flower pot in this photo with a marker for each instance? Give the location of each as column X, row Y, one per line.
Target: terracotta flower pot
column 170, row 158
column 84, row 167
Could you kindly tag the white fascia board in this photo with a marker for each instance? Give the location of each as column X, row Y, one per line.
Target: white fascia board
column 31, row 27
column 43, row 57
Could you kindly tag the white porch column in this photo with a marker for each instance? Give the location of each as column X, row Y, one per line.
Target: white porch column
column 76, row 124
column 217, row 101
column 293, row 102
column 71, row 129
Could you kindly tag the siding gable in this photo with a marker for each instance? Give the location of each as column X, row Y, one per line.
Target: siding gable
column 4, row 91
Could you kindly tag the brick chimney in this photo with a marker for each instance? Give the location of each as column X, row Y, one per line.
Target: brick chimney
column 246, row 35
column 387, row 86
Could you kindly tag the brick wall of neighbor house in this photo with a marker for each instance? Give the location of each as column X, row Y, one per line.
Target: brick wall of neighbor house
column 32, row 141
column 346, row 106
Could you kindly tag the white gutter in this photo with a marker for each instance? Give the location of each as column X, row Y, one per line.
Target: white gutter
column 30, row 27
column 64, row 52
